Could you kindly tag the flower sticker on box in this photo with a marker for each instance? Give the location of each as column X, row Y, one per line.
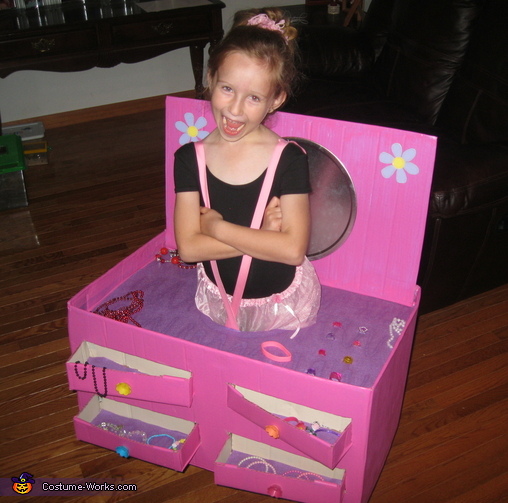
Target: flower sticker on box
column 399, row 162
column 192, row 130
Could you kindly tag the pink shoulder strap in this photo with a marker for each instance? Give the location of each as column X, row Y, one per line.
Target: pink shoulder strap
column 233, row 306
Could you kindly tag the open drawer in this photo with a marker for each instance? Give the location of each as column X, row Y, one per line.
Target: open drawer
column 253, row 466
column 319, row 435
column 108, row 372
column 135, row 432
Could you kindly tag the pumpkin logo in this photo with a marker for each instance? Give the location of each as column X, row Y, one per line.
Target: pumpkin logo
column 23, row 484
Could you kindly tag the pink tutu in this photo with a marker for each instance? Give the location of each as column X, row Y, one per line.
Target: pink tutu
column 294, row 308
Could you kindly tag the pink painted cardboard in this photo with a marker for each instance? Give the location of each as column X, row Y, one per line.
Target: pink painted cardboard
column 379, row 259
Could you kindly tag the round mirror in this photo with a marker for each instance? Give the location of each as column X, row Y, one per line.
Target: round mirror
column 332, row 201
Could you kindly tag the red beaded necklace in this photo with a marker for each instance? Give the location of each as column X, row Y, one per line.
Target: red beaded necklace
column 174, row 258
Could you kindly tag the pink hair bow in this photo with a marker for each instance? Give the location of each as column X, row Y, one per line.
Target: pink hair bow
column 263, row 21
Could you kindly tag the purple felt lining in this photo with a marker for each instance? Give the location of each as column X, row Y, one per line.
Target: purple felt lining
column 236, row 457
column 100, row 361
column 133, row 425
column 169, row 309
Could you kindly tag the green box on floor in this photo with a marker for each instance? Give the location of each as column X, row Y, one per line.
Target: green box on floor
column 12, row 164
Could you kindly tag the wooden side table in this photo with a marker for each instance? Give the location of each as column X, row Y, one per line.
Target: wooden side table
column 78, row 35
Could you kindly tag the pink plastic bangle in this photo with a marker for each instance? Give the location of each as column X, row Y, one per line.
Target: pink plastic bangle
column 274, row 344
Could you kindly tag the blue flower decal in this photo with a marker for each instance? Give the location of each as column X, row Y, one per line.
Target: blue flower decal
column 399, row 162
column 192, row 130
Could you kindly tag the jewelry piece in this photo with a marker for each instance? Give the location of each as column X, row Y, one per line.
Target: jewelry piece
column 137, row 433
column 396, row 327
column 105, row 394
column 174, row 259
column 335, row 376
column 298, row 472
column 85, row 370
column 322, row 352
column 357, row 343
column 94, row 377
column 114, row 428
column 124, row 313
column 299, row 424
column 307, row 474
column 173, row 445
column 347, row 359
column 337, row 324
column 362, row 330
column 301, row 474
column 314, row 426
column 274, row 344
column 257, row 461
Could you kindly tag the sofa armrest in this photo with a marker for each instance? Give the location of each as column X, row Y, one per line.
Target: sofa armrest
column 335, row 52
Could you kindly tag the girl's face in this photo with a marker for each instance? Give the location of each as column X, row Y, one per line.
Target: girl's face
column 242, row 96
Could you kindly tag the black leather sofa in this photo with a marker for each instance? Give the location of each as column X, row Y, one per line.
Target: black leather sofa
column 438, row 67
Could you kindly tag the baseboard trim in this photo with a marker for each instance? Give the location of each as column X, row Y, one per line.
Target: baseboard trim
column 64, row 119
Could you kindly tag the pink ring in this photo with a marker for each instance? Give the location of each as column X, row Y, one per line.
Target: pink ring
column 278, row 345
column 335, row 376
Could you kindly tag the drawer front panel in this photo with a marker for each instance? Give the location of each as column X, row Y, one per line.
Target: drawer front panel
column 150, row 382
column 161, row 29
column 50, row 44
column 326, row 442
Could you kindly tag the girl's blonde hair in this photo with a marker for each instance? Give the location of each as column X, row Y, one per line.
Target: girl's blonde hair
column 277, row 49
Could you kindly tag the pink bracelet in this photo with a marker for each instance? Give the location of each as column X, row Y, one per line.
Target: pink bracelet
column 274, row 344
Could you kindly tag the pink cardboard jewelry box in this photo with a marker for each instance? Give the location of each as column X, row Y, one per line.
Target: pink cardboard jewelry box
column 325, row 419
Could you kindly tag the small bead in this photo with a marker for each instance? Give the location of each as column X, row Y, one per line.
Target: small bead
column 164, row 251
column 337, row 324
column 347, row 359
column 357, row 343
column 330, row 336
column 322, row 352
column 175, row 260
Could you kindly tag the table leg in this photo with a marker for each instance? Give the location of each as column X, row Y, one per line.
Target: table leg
column 197, row 60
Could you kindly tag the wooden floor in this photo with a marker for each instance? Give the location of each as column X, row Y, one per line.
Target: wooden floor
column 100, row 198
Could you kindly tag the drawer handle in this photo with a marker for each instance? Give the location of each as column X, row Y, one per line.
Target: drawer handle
column 274, row 491
column 162, row 28
column 122, row 451
column 272, row 430
column 44, row 44
column 123, row 389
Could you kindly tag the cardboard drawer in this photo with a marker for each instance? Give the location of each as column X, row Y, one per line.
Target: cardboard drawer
column 292, row 423
column 124, row 375
column 252, row 466
column 159, row 430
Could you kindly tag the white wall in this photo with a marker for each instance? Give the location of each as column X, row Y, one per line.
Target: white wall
column 27, row 94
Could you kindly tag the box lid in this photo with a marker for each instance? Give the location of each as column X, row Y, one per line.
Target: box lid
column 385, row 177
column 11, row 154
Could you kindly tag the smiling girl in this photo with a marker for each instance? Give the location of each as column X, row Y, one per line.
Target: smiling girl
column 242, row 205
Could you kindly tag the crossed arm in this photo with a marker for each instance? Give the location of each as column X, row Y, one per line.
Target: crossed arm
column 202, row 233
